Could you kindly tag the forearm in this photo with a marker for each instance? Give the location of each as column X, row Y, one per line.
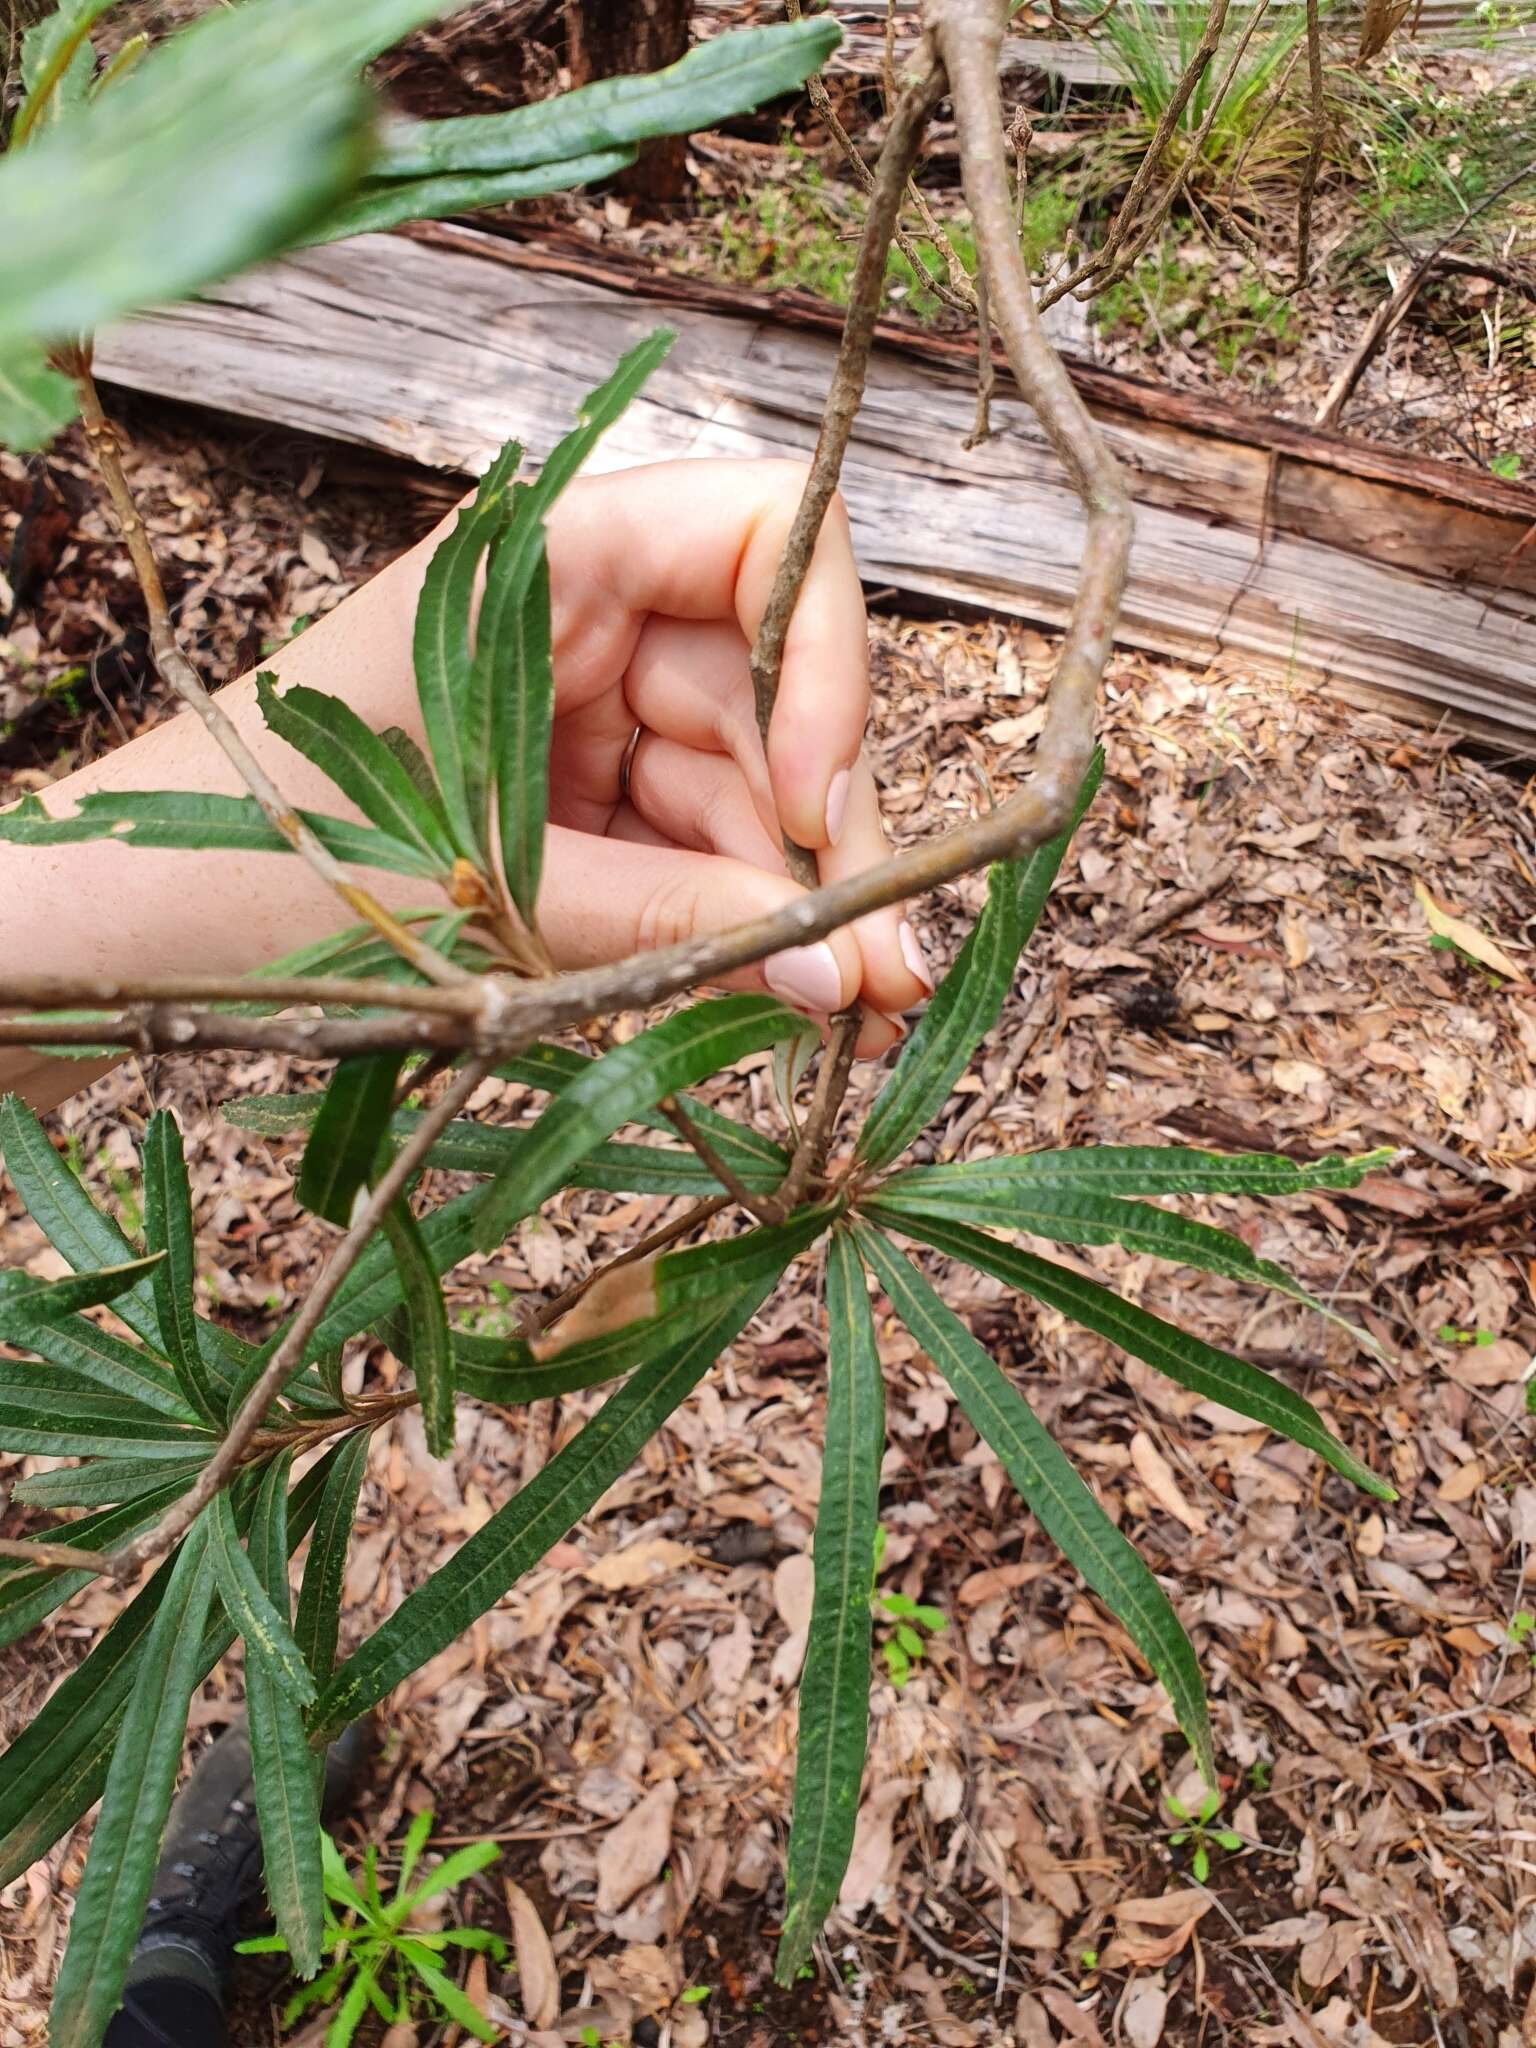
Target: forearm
column 109, row 909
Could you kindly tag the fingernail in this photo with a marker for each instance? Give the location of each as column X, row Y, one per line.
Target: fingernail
column 916, row 959
column 837, row 804
column 897, row 1024
column 806, row 977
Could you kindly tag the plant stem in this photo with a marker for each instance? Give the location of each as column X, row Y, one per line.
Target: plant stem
column 669, row 1233
column 179, row 674
column 767, row 1209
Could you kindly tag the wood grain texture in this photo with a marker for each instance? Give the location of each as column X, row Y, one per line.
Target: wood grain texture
column 1396, row 580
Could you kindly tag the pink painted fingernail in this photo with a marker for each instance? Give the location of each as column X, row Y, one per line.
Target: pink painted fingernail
column 916, row 959
column 837, row 804
column 806, row 977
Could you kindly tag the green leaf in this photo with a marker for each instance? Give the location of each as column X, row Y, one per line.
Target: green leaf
column 1185, row 1359
column 140, row 1782
column 329, row 733
column 1137, row 1170
column 285, row 1769
column 446, row 1993
column 25, row 1300
column 36, row 401
column 57, row 64
column 185, row 821
column 228, row 142
column 1083, row 1216
column 341, row 1156
column 513, row 681
column 519, row 1533
column 383, row 203
column 1045, row 1477
column 732, row 74
column 431, row 1352
column 107, row 1480
column 317, row 1621
column 28, row 1595
column 57, row 1766
column 46, row 1411
column 250, row 1607
column 674, row 1054
column 970, row 998
column 96, row 1358
column 60, row 1207
column 168, row 1230
column 447, row 1877
column 834, row 1686
column 374, row 1287
column 455, row 712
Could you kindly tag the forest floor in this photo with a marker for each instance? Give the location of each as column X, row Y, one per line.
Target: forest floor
column 1235, row 956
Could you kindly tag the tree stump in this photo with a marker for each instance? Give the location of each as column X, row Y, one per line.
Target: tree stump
column 612, row 38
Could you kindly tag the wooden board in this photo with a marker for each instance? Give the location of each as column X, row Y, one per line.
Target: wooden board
column 1395, row 579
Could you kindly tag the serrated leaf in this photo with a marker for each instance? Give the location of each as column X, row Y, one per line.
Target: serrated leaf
column 1063, row 1505
column 834, row 1685
column 674, row 1054
column 512, row 687
column 519, row 1534
column 63, row 1211
column 382, row 203
column 57, row 1766
column 446, row 1994
column 285, row 1769
column 329, row 733
column 141, row 1779
column 431, row 1351
column 249, row 1606
column 1077, row 1216
column 342, row 1154
column 732, row 74
column 36, row 401
column 168, row 1230
column 189, row 822
column 317, row 1620
column 1186, row 1359
column 455, row 713
column 970, row 998
column 1139, row 1170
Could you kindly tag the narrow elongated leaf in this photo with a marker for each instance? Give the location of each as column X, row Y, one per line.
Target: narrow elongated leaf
column 1135, row 1170
column 48, row 1411
column 1074, row 1216
column 109, row 1480
column 95, row 1358
column 29, row 1594
column 519, row 1534
column 25, row 1300
column 445, row 1992
column 249, row 1606
column 168, row 1230
column 383, row 203
column 970, row 998
column 374, row 1287
column 137, row 1800
column 317, row 1620
column 431, row 1352
column 60, row 1207
column 455, row 714
column 181, row 819
column 1186, row 1359
column 674, row 1054
column 57, row 1766
column 341, row 1156
column 285, row 1769
column 732, row 74
column 834, row 1686
column 329, row 733
column 36, row 401
column 1048, row 1482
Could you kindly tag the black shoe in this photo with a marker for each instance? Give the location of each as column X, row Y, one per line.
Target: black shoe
column 210, row 1866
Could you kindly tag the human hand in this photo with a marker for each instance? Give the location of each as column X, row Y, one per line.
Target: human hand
column 659, row 577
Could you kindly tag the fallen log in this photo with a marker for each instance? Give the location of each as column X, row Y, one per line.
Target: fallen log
column 1396, row 580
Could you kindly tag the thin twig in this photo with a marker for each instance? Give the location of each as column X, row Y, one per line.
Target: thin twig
column 58, row 991
column 179, row 674
column 1314, row 161
column 47, row 1554
column 810, row 1157
column 669, row 1233
column 986, row 371
column 289, row 1355
column 767, row 1209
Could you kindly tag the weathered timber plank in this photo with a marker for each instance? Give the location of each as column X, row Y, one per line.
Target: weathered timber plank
column 440, row 348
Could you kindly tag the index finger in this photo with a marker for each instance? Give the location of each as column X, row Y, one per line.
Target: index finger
column 702, row 540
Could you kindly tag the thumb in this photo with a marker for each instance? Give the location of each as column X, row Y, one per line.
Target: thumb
column 604, row 898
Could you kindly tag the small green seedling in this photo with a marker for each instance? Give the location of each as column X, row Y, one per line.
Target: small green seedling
column 1518, row 1634
column 904, row 1646
column 1198, row 1831
column 1441, row 942
column 377, row 1957
column 696, row 1994
column 1260, row 1771
column 1507, row 463
column 1088, row 1961
column 1452, row 1333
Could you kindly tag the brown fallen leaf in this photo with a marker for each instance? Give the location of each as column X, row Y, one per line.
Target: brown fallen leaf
column 538, row 1974
column 632, row 1853
column 1144, row 2012
column 625, row 1294
column 1466, row 938
column 1332, row 1951
column 1156, row 1475
column 1165, row 1909
column 621, row 1571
